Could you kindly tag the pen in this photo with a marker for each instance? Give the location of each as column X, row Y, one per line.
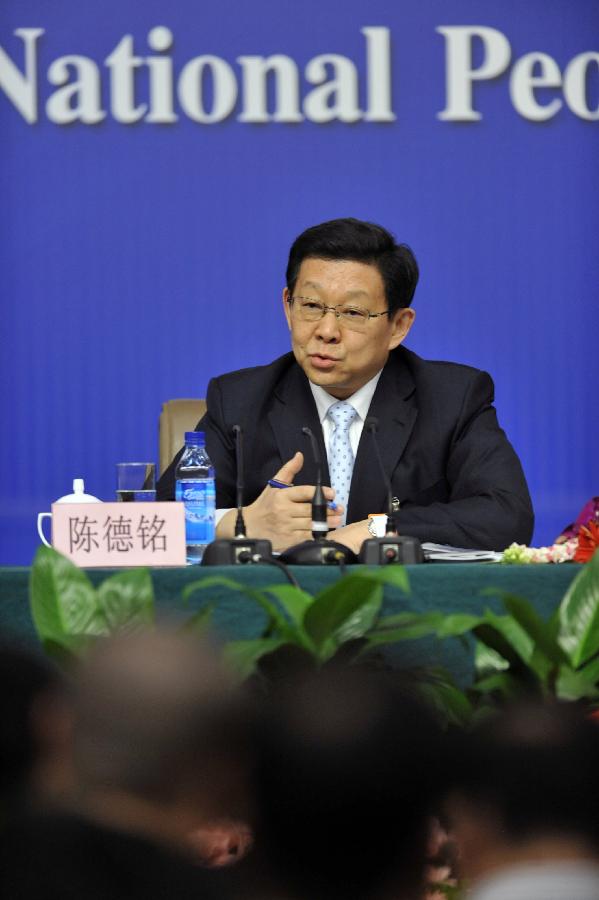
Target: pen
column 273, row 482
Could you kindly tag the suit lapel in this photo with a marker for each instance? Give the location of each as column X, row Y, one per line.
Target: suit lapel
column 292, row 409
column 394, row 405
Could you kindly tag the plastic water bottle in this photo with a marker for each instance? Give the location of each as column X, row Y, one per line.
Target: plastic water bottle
column 195, row 487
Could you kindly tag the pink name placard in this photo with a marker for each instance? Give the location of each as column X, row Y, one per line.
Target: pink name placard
column 119, row 535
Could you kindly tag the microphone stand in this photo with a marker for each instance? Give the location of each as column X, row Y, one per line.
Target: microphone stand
column 393, row 548
column 239, row 550
column 319, row 551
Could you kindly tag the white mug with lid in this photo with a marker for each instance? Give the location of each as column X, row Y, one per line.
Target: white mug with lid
column 78, row 496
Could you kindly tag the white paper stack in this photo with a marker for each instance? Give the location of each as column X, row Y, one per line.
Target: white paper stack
column 445, row 553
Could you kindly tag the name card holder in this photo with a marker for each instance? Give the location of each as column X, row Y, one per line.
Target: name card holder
column 120, row 535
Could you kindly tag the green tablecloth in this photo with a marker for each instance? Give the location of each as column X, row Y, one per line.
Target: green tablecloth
column 447, row 587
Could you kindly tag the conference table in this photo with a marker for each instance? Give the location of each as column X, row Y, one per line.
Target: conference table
column 449, row 587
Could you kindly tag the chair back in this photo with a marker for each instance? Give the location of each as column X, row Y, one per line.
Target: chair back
column 177, row 417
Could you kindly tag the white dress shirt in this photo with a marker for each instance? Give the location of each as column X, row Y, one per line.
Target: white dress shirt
column 360, row 401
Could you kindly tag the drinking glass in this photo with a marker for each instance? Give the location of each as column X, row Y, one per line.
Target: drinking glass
column 135, row 481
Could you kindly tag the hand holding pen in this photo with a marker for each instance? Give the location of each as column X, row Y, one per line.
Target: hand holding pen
column 274, row 483
column 283, row 511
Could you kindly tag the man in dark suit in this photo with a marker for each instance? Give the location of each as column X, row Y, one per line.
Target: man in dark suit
column 455, row 477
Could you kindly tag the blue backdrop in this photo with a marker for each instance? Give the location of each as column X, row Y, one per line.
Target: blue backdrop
column 139, row 258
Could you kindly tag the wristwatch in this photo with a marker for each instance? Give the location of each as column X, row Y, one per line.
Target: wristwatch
column 372, row 528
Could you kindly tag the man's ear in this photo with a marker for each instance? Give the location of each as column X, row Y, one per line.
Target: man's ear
column 401, row 322
column 286, row 307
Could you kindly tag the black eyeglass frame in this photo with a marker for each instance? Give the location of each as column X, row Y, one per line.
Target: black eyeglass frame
column 335, row 309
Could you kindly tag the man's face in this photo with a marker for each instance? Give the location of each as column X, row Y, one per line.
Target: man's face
column 331, row 354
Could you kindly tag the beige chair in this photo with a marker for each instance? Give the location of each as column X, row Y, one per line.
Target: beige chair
column 176, row 417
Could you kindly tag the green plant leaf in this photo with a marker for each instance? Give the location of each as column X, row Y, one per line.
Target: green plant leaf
column 342, row 612
column 496, row 642
column 409, row 617
column 327, row 649
column 394, row 576
column 513, row 643
column 578, row 685
column 579, row 615
column 127, row 599
column 575, row 684
column 67, row 653
column 356, row 624
column 212, row 581
column 487, row 660
column 404, row 626
column 457, row 624
column 199, row 622
column 412, row 625
column 542, row 634
column 277, row 619
column 547, row 654
column 242, row 656
column 294, row 601
column 590, row 670
column 438, row 689
column 504, row 635
column 544, row 668
column 62, row 599
column 502, row 683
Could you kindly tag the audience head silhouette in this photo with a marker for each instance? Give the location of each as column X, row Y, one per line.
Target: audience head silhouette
column 345, row 785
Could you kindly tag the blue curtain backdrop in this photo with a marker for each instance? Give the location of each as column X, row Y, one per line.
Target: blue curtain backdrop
column 138, row 260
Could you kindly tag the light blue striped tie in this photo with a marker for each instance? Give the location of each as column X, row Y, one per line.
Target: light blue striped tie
column 341, row 457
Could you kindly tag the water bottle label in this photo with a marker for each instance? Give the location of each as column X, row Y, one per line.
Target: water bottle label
column 194, row 493
column 199, row 499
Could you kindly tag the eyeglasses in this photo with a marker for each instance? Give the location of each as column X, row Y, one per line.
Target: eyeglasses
column 353, row 317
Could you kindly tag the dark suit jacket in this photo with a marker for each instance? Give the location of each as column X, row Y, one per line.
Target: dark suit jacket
column 451, row 466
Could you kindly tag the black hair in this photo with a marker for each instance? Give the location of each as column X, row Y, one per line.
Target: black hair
column 363, row 242
column 347, row 770
column 26, row 677
column 534, row 769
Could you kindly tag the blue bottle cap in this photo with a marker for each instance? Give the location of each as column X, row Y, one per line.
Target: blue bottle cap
column 196, row 438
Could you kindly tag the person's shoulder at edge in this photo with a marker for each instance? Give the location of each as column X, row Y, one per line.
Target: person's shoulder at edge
column 416, row 363
column 272, row 370
column 442, row 374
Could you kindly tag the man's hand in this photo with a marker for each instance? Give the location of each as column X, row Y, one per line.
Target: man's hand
column 352, row 536
column 282, row 515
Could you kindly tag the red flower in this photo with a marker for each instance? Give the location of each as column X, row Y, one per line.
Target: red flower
column 588, row 541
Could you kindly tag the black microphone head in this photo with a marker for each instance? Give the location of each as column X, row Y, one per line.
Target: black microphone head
column 236, row 429
column 319, row 504
column 315, row 451
column 372, row 424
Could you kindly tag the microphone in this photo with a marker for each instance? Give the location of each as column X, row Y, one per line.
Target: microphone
column 320, row 551
column 320, row 527
column 239, row 523
column 239, row 550
column 372, row 425
column 392, row 548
